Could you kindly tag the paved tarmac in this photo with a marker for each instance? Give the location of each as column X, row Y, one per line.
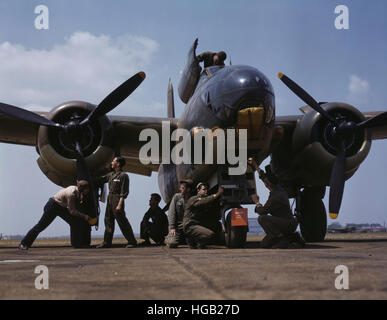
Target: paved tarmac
column 214, row 273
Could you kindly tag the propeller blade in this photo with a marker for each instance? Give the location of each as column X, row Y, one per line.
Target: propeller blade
column 84, row 174
column 116, row 97
column 304, row 96
column 379, row 120
column 337, row 182
column 25, row 115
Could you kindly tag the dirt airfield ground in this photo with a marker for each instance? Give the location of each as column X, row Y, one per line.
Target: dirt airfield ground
column 214, row 273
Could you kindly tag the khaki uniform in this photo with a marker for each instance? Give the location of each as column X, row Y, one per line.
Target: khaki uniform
column 280, row 220
column 201, row 220
column 118, row 183
column 175, row 219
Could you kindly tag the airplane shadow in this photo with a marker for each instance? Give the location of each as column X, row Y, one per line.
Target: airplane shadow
column 256, row 245
column 356, row 240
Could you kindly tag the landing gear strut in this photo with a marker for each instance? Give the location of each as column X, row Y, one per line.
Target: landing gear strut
column 235, row 236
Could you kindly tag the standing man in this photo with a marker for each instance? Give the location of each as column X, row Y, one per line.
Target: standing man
column 62, row 204
column 201, row 217
column 118, row 183
column 158, row 228
column 275, row 216
column 176, row 214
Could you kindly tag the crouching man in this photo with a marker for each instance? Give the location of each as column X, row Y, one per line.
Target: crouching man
column 201, row 218
column 275, row 216
column 63, row 204
column 156, row 229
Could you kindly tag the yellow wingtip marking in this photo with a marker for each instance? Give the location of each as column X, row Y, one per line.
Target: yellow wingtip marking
column 280, row 75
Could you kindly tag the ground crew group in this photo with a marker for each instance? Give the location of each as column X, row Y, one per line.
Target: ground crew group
column 192, row 219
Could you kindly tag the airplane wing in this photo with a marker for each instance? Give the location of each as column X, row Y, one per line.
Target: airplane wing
column 16, row 131
column 126, row 132
column 378, row 132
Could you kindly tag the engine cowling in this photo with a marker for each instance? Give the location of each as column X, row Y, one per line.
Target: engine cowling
column 57, row 156
column 314, row 152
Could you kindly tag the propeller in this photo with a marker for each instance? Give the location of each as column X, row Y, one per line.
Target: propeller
column 116, row 97
column 341, row 131
column 83, row 173
column 75, row 128
column 25, row 115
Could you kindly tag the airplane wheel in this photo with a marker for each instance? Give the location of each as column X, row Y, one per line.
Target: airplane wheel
column 313, row 222
column 235, row 236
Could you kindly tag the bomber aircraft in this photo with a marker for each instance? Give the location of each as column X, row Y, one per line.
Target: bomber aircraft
column 324, row 146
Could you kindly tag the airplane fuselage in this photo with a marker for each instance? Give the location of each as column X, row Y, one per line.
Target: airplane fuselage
column 239, row 97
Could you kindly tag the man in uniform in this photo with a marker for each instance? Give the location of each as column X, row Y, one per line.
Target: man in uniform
column 212, row 58
column 176, row 214
column 118, row 183
column 158, row 228
column 201, row 217
column 275, row 216
column 62, row 204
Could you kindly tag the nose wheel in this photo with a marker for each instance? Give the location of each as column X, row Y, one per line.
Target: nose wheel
column 311, row 214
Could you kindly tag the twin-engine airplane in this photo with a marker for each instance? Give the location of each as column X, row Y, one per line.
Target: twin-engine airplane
column 322, row 147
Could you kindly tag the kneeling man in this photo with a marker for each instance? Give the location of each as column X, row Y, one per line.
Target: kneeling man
column 201, row 217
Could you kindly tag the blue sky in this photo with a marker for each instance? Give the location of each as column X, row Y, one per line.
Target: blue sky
column 92, row 46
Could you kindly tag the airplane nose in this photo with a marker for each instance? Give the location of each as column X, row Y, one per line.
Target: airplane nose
column 243, row 87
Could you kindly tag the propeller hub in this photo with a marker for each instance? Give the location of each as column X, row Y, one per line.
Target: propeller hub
column 75, row 132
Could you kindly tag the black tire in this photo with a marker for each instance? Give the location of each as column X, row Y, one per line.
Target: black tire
column 235, row 236
column 313, row 222
column 80, row 234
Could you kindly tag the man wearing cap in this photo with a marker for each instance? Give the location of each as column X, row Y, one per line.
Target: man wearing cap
column 156, row 229
column 201, row 217
column 118, row 183
column 176, row 214
column 212, row 58
column 63, row 204
column 275, row 216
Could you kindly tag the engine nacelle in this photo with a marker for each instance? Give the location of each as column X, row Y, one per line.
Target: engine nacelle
column 57, row 156
column 314, row 152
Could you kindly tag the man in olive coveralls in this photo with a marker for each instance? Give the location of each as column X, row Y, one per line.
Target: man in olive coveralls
column 118, row 182
column 176, row 214
column 275, row 216
column 201, row 217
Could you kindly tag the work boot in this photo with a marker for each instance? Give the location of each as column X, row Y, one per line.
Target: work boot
column 296, row 240
column 103, row 245
column 131, row 245
column 192, row 244
column 22, row 247
column 268, row 241
column 282, row 243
